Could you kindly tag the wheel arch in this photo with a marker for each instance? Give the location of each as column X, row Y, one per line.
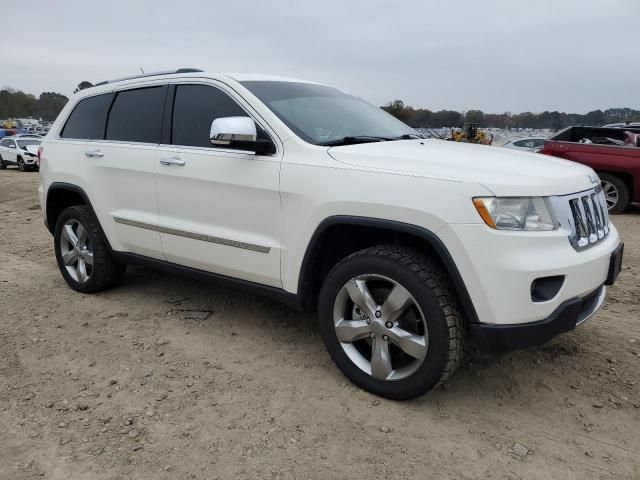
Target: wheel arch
column 338, row 236
column 61, row 195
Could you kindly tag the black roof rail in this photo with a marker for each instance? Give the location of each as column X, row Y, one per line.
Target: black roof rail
column 153, row 74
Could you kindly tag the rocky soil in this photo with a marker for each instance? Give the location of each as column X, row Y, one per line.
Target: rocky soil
column 166, row 377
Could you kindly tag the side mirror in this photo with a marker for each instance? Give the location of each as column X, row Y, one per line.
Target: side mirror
column 12, row 145
column 237, row 133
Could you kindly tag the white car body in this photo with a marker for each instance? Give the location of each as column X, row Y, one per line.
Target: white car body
column 13, row 152
column 624, row 125
column 253, row 217
column 528, row 144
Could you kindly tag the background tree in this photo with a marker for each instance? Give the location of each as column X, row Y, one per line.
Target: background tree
column 49, row 105
column 17, row 104
column 474, row 116
column 82, row 85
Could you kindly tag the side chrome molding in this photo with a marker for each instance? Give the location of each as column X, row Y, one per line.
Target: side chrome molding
column 195, row 236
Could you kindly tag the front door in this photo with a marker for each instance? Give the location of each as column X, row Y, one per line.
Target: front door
column 219, row 209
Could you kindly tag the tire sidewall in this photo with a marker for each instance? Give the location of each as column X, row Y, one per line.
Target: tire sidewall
column 432, row 368
column 623, row 192
column 75, row 213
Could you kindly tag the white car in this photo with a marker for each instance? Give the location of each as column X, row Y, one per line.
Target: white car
column 529, row 144
column 21, row 151
column 624, row 125
column 407, row 247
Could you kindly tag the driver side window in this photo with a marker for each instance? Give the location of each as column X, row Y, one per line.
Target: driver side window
column 195, row 107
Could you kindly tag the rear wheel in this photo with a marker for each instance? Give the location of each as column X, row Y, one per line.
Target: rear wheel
column 390, row 321
column 3, row 166
column 81, row 252
column 616, row 192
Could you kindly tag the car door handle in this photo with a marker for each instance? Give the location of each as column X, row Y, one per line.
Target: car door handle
column 94, row 154
column 172, row 161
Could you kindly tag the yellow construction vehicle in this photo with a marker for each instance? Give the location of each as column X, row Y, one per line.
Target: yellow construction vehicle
column 470, row 133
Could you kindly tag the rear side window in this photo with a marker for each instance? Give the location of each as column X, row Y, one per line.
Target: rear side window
column 136, row 115
column 88, row 118
column 195, row 108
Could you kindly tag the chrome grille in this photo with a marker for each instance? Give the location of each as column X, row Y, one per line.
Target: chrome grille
column 585, row 216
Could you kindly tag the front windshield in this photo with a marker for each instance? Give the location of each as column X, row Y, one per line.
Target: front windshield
column 24, row 143
column 324, row 115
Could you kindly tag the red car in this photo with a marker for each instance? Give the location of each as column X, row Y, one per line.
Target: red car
column 614, row 153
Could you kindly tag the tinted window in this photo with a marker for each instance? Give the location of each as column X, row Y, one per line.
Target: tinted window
column 195, row 108
column 136, row 115
column 88, row 118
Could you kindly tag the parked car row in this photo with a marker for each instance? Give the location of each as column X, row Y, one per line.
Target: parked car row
column 21, row 151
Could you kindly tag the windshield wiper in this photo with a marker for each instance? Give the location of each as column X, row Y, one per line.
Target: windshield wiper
column 352, row 140
column 408, row 136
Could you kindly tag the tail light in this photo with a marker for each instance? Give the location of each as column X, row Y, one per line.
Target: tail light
column 40, row 150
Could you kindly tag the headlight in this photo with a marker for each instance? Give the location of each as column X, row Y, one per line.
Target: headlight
column 516, row 213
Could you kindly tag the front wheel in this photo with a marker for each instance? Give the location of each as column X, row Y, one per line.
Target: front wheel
column 390, row 321
column 81, row 251
column 21, row 165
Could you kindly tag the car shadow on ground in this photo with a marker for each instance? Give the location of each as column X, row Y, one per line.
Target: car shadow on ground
column 508, row 378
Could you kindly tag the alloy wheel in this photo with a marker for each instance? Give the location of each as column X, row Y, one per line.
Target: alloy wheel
column 76, row 250
column 611, row 194
column 380, row 327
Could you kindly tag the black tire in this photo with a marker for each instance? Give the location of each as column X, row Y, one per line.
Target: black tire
column 431, row 288
column 624, row 197
column 3, row 166
column 105, row 272
column 21, row 166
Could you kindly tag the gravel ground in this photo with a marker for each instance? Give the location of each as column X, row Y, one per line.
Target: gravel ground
column 136, row 383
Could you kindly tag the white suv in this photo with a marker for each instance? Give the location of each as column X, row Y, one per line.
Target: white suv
column 20, row 150
column 407, row 247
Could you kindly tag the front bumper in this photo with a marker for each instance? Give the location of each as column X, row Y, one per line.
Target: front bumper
column 496, row 339
column 499, row 269
column 31, row 162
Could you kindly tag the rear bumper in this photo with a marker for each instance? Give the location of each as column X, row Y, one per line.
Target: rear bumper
column 492, row 339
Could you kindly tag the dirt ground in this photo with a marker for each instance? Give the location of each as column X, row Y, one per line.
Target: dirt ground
column 125, row 384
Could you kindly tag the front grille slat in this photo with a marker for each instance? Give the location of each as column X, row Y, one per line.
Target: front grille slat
column 587, row 218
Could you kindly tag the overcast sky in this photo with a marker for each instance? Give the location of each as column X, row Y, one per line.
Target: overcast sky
column 495, row 55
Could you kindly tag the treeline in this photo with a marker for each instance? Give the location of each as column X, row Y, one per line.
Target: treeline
column 17, row 104
column 420, row 117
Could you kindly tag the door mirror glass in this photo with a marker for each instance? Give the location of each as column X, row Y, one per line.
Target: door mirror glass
column 237, row 133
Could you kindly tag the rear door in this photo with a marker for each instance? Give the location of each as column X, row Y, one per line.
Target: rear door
column 116, row 163
column 4, row 150
column 10, row 154
column 219, row 208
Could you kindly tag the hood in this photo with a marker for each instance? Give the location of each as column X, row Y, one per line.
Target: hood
column 504, row 172
column 31, row 149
